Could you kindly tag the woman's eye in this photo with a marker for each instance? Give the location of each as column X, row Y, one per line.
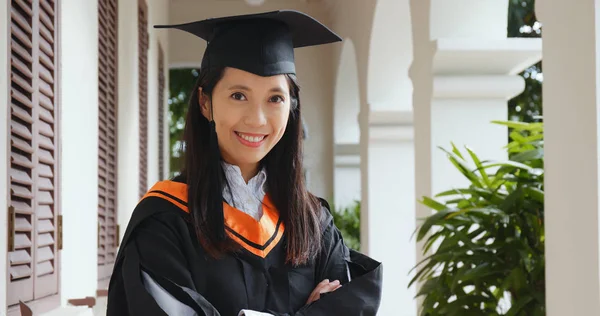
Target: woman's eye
column 238, row 96
column 277, row 99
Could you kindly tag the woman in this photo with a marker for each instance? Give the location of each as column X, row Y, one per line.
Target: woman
column 238, row 233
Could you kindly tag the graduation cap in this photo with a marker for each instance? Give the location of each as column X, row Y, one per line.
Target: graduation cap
column 262, row 43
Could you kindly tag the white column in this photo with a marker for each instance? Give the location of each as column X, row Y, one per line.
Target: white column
column 128, row 113
column 79, row 140
column 387, row 156
column 390, row 223
column 4, row 16
column 571, row 115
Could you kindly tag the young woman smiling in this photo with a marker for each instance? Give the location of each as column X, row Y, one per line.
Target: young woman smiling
column 238, row 233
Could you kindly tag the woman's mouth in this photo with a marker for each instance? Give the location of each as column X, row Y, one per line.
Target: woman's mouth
column 251, row 140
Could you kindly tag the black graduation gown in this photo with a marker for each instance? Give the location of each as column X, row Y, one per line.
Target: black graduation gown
column 160, row 241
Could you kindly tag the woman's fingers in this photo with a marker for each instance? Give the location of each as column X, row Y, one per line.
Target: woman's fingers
column 323, row 287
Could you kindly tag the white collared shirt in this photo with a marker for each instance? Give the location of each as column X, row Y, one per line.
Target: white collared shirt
column 247, row 197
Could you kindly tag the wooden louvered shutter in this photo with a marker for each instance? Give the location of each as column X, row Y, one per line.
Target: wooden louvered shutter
column 143, row 42
column 107, row 132
column 33, row 207
column 161, row 114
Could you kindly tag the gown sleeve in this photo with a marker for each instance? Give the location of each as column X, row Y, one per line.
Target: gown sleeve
column 360, row 276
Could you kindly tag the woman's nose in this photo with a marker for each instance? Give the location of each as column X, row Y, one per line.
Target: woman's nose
column 255, row 116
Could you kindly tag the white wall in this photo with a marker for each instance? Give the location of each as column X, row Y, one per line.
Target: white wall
column 157, row 14
column 79, row 141
column 128, row 124
column 468, row 18
column 4, row 17
column 315, row 70
column 390, row 55
column 128, row 112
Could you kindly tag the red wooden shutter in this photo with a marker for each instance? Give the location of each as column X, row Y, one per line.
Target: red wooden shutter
column 161, row 110
column 143, row 94
column 33, row 242
column 107, row 132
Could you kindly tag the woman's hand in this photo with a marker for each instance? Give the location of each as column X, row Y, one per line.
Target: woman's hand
column 324, row 287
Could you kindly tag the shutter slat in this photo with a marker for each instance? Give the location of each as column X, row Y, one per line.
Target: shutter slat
column 46, row 89
column 20, row 20
column 26, row 101
column 46, row 41
column 17, row 49
column 45, row 197
column 45, row 171
column 46, row 129
column 21, row 207
column 45, row 239
column 21, row 113
column 44, row 268
column 47, row 20
column 21, row 36
column 15, row 62
column 44, row 212
column 20, row 271
column 44, row 156
column 47, row 62
column 46, row 102
column 45, row 226
column 16, row 128
column 22, row 224
column 19, row 257
column 45, row 254
column 21, row 82
column 20, row 176
column 45, row 184
column 49, row 9
column 46, row 115
column 46, row 75
column 45, row 142
column 20, row 160
column 20, row 144
column 22, row 241
column 26, row 7
column 20, row 191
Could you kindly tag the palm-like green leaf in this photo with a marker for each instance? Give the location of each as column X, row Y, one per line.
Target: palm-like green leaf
column 487, row 239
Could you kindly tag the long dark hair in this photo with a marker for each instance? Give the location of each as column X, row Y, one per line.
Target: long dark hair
column 298, row 209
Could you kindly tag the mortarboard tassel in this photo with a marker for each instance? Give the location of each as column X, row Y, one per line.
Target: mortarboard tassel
column 215, row 213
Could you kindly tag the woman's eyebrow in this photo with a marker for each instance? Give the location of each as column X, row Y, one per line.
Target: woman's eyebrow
column 246, row 88
column 239, row 87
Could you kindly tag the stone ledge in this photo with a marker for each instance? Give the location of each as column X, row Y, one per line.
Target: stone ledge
column 473, row 56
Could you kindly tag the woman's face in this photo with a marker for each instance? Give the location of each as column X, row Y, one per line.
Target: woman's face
column 250, row 113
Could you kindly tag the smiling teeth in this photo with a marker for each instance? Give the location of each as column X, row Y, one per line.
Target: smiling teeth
column 252, row 139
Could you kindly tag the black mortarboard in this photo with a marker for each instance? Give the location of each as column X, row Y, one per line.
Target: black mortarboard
column 261, row 43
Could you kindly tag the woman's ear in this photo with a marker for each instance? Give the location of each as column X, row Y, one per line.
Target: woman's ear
column 204, row 103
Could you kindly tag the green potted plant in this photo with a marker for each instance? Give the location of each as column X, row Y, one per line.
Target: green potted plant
column 483, row 244
column 347, row 220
